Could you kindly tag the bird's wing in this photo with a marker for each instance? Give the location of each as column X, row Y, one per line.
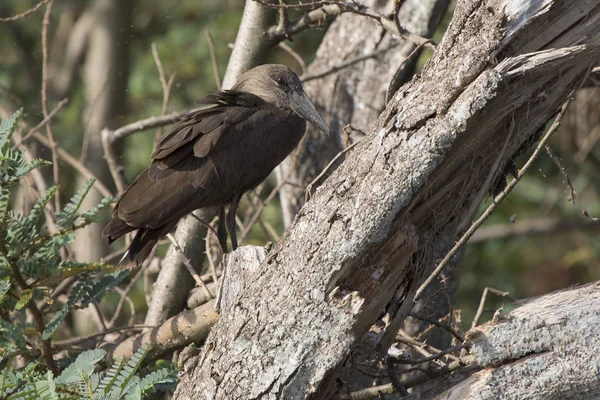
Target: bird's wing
column 171, row 186
column 204, row 128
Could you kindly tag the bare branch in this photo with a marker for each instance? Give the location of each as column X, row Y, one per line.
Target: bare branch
column 51, row 141
column 213, row 57
column 481, row 307
column 26, row 13
column 188, row 264
column 42, row 123
column 564, row 172
column 185, row 328
column 306, row 78
column 532, row 227
column 72, row 161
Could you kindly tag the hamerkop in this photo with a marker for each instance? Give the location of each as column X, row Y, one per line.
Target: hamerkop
column 213, row 156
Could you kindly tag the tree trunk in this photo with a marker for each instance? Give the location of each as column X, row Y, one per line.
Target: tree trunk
column 546, row 349
column 356, row 94
column 368, row 232
column 105, row 79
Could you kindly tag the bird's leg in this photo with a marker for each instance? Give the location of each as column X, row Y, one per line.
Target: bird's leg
column 231, row 220
column 221, row 230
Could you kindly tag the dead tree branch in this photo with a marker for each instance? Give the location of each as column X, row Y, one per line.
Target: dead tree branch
column 367, row 232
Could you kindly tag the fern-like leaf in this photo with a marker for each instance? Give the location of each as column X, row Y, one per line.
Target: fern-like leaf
column 102, row 287
column 162, row 376
column 26, row 167
column 4, row 202
column 109, row 379
column 93, row 215
column 24, row 232
column 46, row 389
column 4, row 286
column 69, row 215
column 13, row 332
column 26, row 295
column 129, row 370
column 83, row 364
column 7, row 128
column 55, row 322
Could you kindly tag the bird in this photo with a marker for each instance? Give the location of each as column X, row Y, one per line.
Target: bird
column 212, row 156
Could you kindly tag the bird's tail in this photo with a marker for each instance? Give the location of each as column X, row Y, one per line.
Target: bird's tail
column 141, row 245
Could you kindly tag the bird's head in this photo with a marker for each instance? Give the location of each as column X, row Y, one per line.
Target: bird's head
column 281, row 87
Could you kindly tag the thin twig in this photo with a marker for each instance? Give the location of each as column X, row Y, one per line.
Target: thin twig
column 260, row 209
column 588, row 216
column 148, row 123
column 213, row 57
column 346, row 64
column 495, row 202
column 312, row 4
column 210, row 228
column 327, row 167
column 42, row 123
column 378, row 391
column 393, row 87
column 432, row 357
column 99, row 316
column 26, row 13
column 532, row 227
column 72, row 161
column 52, row 142
column 78, row 340
column 166, row 85
column 188, row 264
column 482, row 301
column 294, row 55
column 562, row 169
column 445, row 327
column 124, row 294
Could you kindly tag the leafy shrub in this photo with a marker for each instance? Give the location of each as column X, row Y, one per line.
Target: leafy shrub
column 31, row 266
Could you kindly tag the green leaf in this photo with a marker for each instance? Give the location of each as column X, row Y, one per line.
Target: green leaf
column 69, row 215
column 134, row 392
column 109, row 379
column 25, row 232
column 84, row 363
column 161, row 376
column 93, row 215
column 4, row 287
column 103, row 286
column 4, row 202
column 46, row 389
column 8, row 127
column 26, row 295
column 129, row 370
column 13, row 332
column 26, row 167
column 55, row 322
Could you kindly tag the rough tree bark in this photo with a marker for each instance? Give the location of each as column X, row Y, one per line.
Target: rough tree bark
column 105, row 80
column 502, row 70
column 356, row 94
column 528, row 354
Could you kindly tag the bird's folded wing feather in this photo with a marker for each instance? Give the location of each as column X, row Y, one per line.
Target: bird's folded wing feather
column 181, row 161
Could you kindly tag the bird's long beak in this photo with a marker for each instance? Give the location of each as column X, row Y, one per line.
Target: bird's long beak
column 301, row 104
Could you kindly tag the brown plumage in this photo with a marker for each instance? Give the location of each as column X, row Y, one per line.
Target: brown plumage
column 213, row 156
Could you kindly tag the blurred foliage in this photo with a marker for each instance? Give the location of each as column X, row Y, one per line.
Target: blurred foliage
column 525, row 266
